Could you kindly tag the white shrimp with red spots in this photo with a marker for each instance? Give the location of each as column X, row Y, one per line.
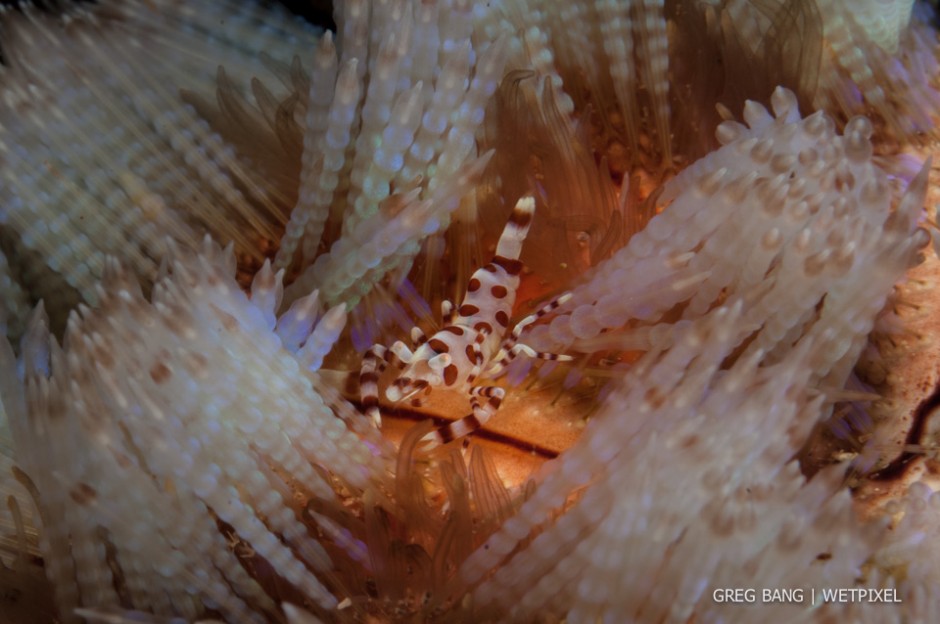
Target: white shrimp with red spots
column 472, row 344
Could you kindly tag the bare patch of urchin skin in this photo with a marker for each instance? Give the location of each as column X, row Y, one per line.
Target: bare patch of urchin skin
column 536, row 422
column 904, row 366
